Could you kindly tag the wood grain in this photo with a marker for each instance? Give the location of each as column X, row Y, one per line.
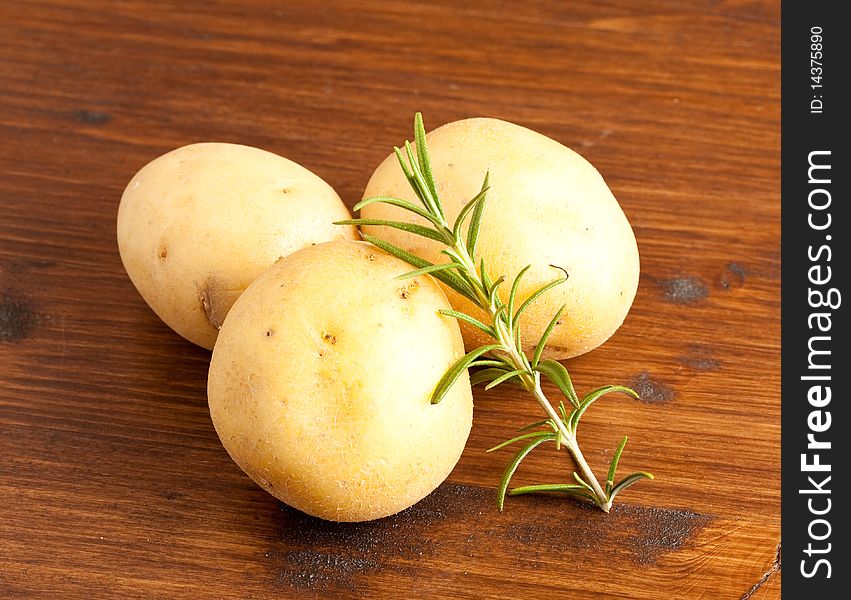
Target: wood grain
column 112, row 481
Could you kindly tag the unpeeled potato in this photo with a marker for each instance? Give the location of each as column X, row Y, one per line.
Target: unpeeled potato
column 200, row 223
column 546, row 206
column 321, row 379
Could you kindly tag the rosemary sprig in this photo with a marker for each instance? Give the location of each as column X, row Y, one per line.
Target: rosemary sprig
column 504, row 360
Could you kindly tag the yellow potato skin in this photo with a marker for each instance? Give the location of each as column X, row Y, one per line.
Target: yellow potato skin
column 320, row 383
column 200, row 223
column 546, row 206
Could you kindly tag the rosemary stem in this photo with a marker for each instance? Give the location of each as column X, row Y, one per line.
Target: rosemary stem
column 532, row 380
column 572, row 446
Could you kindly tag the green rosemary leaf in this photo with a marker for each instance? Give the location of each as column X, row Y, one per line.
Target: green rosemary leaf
column 628, row 481
column 456, row 284
column 512, row 296
column 491, row 363
column 521, row 354
column 396, row 251
column 512, row 467
column 422, row 154
column 539, row 293
column 520, row 438
column 539, row 349
column 468, row 319
column 450, row 252
column 485, row 375
column 409, row 176
column 504, row 377
column 476, row 219
column 537, row 424
column 562, row 411
column 409, row 206
column 556, row 373
column 564, row 488
column 613, row 467
column 447, row 277
column 492, row 374
column 486, row 280
column 459, row 222
column 608, row 389
column 594, row 396
column 421, row 185
column 499, row 312
column 492, row 291
column 430, row 269
column 518, row 338
column 420, row 230
column 454, row 372
column 582, row 482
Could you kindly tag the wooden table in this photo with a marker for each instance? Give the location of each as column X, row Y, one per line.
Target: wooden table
column 112, row 481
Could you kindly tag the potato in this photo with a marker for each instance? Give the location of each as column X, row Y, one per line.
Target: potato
column 546, row 206
column 321, row 379
column 198, row 224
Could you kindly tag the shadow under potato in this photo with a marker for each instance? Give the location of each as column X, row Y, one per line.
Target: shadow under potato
column 459, row 525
